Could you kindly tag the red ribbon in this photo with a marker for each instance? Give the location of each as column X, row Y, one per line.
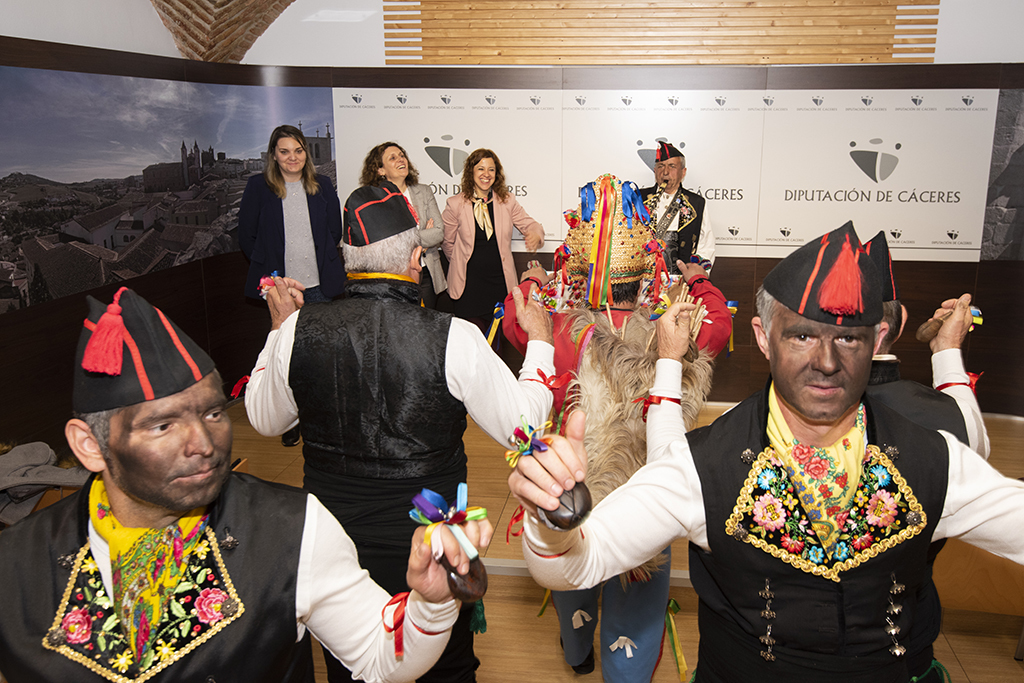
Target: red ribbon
column 517, row 517
column 554, row 381
column 397, row 621
column 237, row 391
column 654, row 248
column 972, row 376
column 653, row 401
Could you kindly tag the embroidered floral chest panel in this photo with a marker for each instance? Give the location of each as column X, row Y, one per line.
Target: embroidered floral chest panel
column 768, row 515
column 87, row 629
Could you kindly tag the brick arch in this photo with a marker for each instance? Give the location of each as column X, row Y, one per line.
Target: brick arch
column 217, row 30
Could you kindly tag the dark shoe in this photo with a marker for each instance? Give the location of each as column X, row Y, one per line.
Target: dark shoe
column 587, row 665
column 291, row 437
column 584, row 667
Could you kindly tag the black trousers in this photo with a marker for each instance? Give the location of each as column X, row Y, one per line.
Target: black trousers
column 457, row 664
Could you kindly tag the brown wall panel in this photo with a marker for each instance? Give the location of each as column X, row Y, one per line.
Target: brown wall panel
column 995, row 346
column 447, row 77
column 38, row 54
column 893, row 76
column 246, row 74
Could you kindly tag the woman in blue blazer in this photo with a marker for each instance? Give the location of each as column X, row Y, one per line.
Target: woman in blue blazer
column 290, row 221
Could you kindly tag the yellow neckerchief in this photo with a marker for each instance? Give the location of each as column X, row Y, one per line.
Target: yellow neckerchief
column 380, row 276
column 482, row 215
column 825, row 479
column 146, row 565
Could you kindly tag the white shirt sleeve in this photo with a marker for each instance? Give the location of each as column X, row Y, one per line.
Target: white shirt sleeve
column 342, row 606
column 706, row 239
column 948, row 367
column 982, row 507
column 663, row 501
column 269, row 402
column 481, row 380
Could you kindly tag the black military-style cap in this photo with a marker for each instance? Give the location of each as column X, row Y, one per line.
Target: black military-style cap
column 130, row 352
column 830, row 279
column 374, row 213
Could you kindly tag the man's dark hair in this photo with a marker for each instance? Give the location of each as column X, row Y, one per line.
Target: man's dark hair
column 625, row 292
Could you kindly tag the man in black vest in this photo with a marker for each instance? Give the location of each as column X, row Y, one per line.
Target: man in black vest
column 166, row 564
column 951, row 405
column 953, row 409
column 381, row 387
column 680, row 216
column 810, row 509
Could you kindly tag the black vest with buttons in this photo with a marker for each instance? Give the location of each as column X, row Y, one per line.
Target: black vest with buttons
column 259, row 646
column 823, row 630
column 368, row 375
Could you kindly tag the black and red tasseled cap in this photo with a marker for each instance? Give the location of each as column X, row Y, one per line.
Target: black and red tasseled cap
column 831, row 280
column 374, row 213
column 878, row 250
column 666, row 150
column 130, row 352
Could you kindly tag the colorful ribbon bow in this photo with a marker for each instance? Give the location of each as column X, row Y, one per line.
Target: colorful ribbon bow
column 267, row 284
column 430, row 508
column 526, row 440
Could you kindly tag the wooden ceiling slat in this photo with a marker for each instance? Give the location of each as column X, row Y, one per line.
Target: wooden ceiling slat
column 618, row 39
column 678, row 5
column 654, row 32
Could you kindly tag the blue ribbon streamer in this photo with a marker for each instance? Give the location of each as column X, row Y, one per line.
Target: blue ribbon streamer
column 587, row 202
column 633, row 204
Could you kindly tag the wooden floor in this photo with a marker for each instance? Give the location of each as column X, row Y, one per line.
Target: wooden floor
column 976, row 647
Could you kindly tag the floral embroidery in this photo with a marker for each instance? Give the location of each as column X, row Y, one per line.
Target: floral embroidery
column 881, row 509
column 164, row 650
column 769, row 513
column 792, row 545
column 203, row 603
column 883, row 513
column 208, row 605
column 77, row 626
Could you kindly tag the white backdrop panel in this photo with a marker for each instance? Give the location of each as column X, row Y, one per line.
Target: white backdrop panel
column 777, row 168
column 912, row 163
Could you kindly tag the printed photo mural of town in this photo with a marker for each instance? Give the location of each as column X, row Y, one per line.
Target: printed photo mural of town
column 106, row 178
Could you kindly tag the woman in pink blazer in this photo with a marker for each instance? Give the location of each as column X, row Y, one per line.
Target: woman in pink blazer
column 478, row 239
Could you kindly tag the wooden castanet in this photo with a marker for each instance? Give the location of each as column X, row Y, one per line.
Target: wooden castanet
column 573, row 507
column 930, row 328
column 468, row 587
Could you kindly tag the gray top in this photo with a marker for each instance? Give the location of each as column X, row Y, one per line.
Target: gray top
column 299, row 250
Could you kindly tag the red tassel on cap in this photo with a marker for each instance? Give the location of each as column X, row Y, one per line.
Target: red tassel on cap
column 840, row 293
column 105, row 348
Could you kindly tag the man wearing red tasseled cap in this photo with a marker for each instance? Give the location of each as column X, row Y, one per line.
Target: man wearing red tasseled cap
column 165, row 565
column 809, row 508
column 680, row 216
